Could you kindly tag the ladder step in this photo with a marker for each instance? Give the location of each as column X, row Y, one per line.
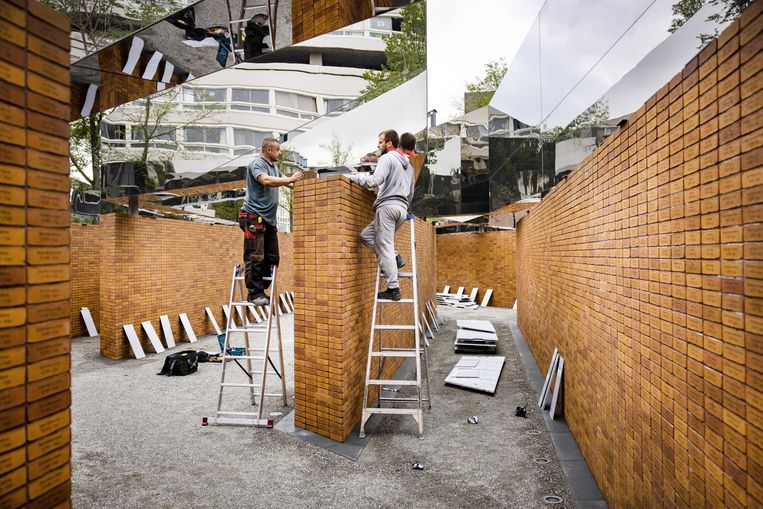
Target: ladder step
column 405, row 274
column 406, row 400
column 232, row 421
column 393, row 382
column 394, row 327
column 252, row 357
column 390, row 352
column 400, row 301
column 244, row 304
column 399, row 411
column 247, row 329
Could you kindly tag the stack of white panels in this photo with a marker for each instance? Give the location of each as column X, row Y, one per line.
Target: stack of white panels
column 475, row 336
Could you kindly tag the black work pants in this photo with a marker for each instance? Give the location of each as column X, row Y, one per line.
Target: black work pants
column 260, row 251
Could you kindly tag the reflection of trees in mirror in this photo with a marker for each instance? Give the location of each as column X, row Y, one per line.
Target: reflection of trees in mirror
column 339, row 154
column 85, row 149
column 149, row 121
column 595, row 115
column 98, row 23
column 228, row 209
column 479, row 92
column 287, row 165
column 683, row 10
column 406, row 53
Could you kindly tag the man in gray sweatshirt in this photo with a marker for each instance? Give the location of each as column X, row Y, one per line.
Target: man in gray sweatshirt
column 394, row 178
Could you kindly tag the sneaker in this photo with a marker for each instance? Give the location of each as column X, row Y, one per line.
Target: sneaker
column 400, row 261
column 390, row 294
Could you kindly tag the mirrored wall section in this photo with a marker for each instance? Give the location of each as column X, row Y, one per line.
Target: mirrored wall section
column 582, row 70
column 198, row 40
column 191, row 144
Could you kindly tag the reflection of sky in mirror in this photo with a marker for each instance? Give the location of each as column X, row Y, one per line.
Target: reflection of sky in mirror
column 583, row 48
column 659, row 66
column 403, row 109
column 463, row 36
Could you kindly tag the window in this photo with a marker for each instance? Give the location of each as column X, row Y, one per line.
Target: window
column 163, row 136
column 381, row 23
column 249, row 137
column 209, row 150
column 113, row 134
column 246, row 98
column 203, row 97
column 336, row 106
column 296, row 102
column 214, row 135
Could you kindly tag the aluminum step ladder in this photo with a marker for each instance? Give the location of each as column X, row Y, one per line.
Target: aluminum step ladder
column 376, row 350
column 255, row 359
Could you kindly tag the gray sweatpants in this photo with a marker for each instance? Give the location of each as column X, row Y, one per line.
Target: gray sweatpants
column 379, row 236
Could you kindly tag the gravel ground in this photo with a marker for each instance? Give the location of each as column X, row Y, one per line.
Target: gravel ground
column 138, row 442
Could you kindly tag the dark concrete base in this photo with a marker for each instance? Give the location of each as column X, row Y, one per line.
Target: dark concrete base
column 584, row 488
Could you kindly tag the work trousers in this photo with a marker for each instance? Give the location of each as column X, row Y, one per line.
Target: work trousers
column 260, row 251
column 379, row 236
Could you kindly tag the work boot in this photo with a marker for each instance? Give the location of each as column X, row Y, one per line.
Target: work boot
column 260, row 299
column 399, row 260
column 390, row 294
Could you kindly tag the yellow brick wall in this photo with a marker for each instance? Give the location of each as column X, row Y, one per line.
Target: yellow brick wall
column 152, row 267
column 479, row 260
column 334, row 283
column 85, row 264
column 34, row 257
column 645, row 269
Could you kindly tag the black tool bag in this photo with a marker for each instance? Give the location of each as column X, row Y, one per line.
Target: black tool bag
column 180, row 364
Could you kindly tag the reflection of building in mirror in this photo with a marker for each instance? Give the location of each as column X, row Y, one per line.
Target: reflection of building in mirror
column 197, row 133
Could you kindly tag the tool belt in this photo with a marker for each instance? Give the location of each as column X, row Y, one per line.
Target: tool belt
column 251, row 223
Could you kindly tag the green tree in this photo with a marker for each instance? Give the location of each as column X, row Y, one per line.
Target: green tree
column 683, row 10
column 406, row 53
column 481, row 91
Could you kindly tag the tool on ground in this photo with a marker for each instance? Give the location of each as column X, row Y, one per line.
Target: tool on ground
column 377, row 350
column 244, row 355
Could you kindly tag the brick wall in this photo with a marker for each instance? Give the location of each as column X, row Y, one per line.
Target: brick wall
column 85, row 264
column 645, row 268
column 34, row 257
column 479, row 260
column 152, row 267
column 334, row 284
